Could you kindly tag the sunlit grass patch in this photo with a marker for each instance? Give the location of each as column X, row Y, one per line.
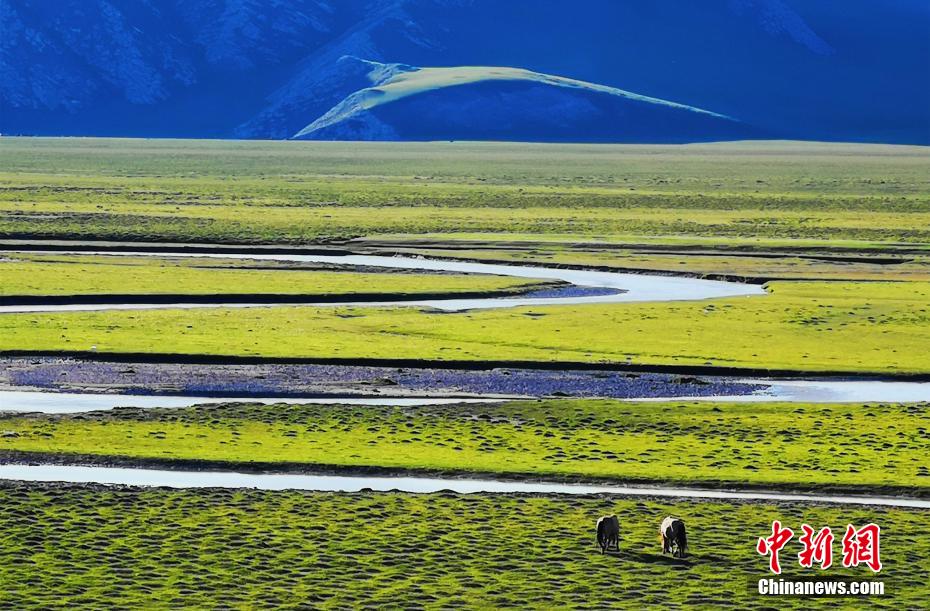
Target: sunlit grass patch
column 299, row 192
column 804, row 326
column 785, row 444
column 29, row 274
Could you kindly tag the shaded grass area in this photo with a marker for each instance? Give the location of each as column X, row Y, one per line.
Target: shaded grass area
column 789, row 445
column 87, row 548
column 300, row 192
column 803, row 326
column 29, row 274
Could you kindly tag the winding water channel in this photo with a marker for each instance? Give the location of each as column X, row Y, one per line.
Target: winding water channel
column 420, row 485
column 626, row 287
column 634, row 287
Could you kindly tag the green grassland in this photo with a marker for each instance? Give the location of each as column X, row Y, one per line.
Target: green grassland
column 788, row 445
column 805, row 326
column 68, row 547
column 300, row 192
column 73, row 546
column 697, row 209
column 31, row 274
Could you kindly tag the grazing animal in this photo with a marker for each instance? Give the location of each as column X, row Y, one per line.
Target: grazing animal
column 674, row 538
column 608, row 533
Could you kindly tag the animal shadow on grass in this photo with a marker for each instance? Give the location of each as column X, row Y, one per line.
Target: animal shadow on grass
column 647, row 558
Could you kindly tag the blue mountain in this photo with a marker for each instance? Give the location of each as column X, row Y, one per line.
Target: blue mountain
column 586, row 70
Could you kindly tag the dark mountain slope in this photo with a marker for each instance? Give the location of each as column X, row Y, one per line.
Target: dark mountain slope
column 812, row 69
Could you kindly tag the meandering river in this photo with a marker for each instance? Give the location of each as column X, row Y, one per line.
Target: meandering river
column 632, row 287
column 628, row 287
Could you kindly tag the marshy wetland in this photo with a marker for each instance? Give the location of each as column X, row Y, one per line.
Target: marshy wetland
column 812, row 263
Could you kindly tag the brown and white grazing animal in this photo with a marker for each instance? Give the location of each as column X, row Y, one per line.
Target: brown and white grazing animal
column 674, row 538
column 608, row 533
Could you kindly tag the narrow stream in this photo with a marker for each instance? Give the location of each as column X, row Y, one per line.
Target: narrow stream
column 343, row 483
column 792, row 391
column 75, row 403
column 821, row 391
column 635, row 287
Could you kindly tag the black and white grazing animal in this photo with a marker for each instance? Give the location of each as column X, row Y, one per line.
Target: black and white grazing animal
column 608, row 533
column 674, row 538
